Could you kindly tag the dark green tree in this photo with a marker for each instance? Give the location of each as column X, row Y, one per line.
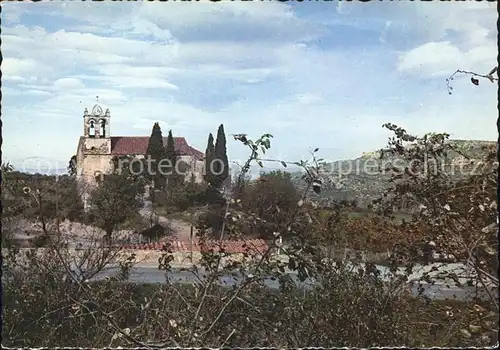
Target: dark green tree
column 156, row 151
column 273, row 197
column 218, row 172
column 209, row 154
column 155, row 144
column 220, row 163
column 174, row 171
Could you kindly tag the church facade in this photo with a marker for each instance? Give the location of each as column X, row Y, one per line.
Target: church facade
column 96, row 149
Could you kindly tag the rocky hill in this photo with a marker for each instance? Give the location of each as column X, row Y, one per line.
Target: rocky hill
column 360, row 179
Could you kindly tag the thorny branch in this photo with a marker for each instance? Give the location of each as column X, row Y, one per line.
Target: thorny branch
column 473, row 75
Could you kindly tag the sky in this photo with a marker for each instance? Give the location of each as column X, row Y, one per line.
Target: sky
column 321, row 75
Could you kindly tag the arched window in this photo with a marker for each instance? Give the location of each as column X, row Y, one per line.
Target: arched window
column 102, row 129
column 91, row 129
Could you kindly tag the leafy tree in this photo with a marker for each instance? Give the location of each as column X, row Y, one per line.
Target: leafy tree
column 221, row 163
column 117, row 198
column 209, row 154
column 273, row 198
column 69, row 200
column 184, row 197
column 129, row 166
column 156, row 151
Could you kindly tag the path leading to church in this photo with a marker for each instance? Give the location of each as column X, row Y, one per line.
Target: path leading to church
column 182, row 229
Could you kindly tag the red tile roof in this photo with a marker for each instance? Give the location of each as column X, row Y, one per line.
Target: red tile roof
column 135, row 145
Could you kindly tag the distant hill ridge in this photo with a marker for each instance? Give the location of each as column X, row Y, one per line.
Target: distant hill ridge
column 360, row 179
column 469, row 147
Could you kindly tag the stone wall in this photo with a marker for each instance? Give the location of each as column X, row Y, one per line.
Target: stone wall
column 196, row 168
column 97, row 146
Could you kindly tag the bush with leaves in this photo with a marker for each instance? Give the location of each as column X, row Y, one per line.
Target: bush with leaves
column 182, row 197
column 273, row 198
column 47, row 299
column 452, row 215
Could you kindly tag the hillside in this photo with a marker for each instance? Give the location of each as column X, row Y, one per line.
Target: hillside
column 360, row 179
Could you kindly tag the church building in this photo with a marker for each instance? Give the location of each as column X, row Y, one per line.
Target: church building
column 96, row 149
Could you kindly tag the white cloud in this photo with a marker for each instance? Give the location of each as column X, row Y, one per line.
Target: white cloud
column 66, row 84
column 438, row 58
column 24, row 92
column 457, row 37
column 431, row 56
column 12, row 66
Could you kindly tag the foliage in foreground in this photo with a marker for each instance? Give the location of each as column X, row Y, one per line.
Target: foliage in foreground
column 43, row 308
column 351, row 304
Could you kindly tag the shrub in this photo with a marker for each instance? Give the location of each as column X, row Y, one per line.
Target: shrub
column 273, row 198
column 182, row 197
column 350, row 308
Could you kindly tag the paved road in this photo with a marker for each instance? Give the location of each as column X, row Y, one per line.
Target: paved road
column 151, row 274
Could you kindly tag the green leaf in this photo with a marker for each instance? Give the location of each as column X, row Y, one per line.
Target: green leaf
column 283, row 163
column 260, row 163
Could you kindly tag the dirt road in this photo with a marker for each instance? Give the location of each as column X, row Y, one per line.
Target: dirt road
column 182, row 229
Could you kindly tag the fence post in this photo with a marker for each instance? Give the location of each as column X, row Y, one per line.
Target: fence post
column 191, row 243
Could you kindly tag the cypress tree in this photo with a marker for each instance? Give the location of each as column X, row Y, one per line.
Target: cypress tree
column 155, row 144
column 171, row 155
column 157, row 152
column 209, row 154
column 221, row 165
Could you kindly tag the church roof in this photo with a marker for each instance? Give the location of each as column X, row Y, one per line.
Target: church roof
column 137, row 145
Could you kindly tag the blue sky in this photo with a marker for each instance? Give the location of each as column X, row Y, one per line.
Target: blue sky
column 320, row 74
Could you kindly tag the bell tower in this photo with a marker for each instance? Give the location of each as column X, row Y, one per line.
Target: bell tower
column 97, row 131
